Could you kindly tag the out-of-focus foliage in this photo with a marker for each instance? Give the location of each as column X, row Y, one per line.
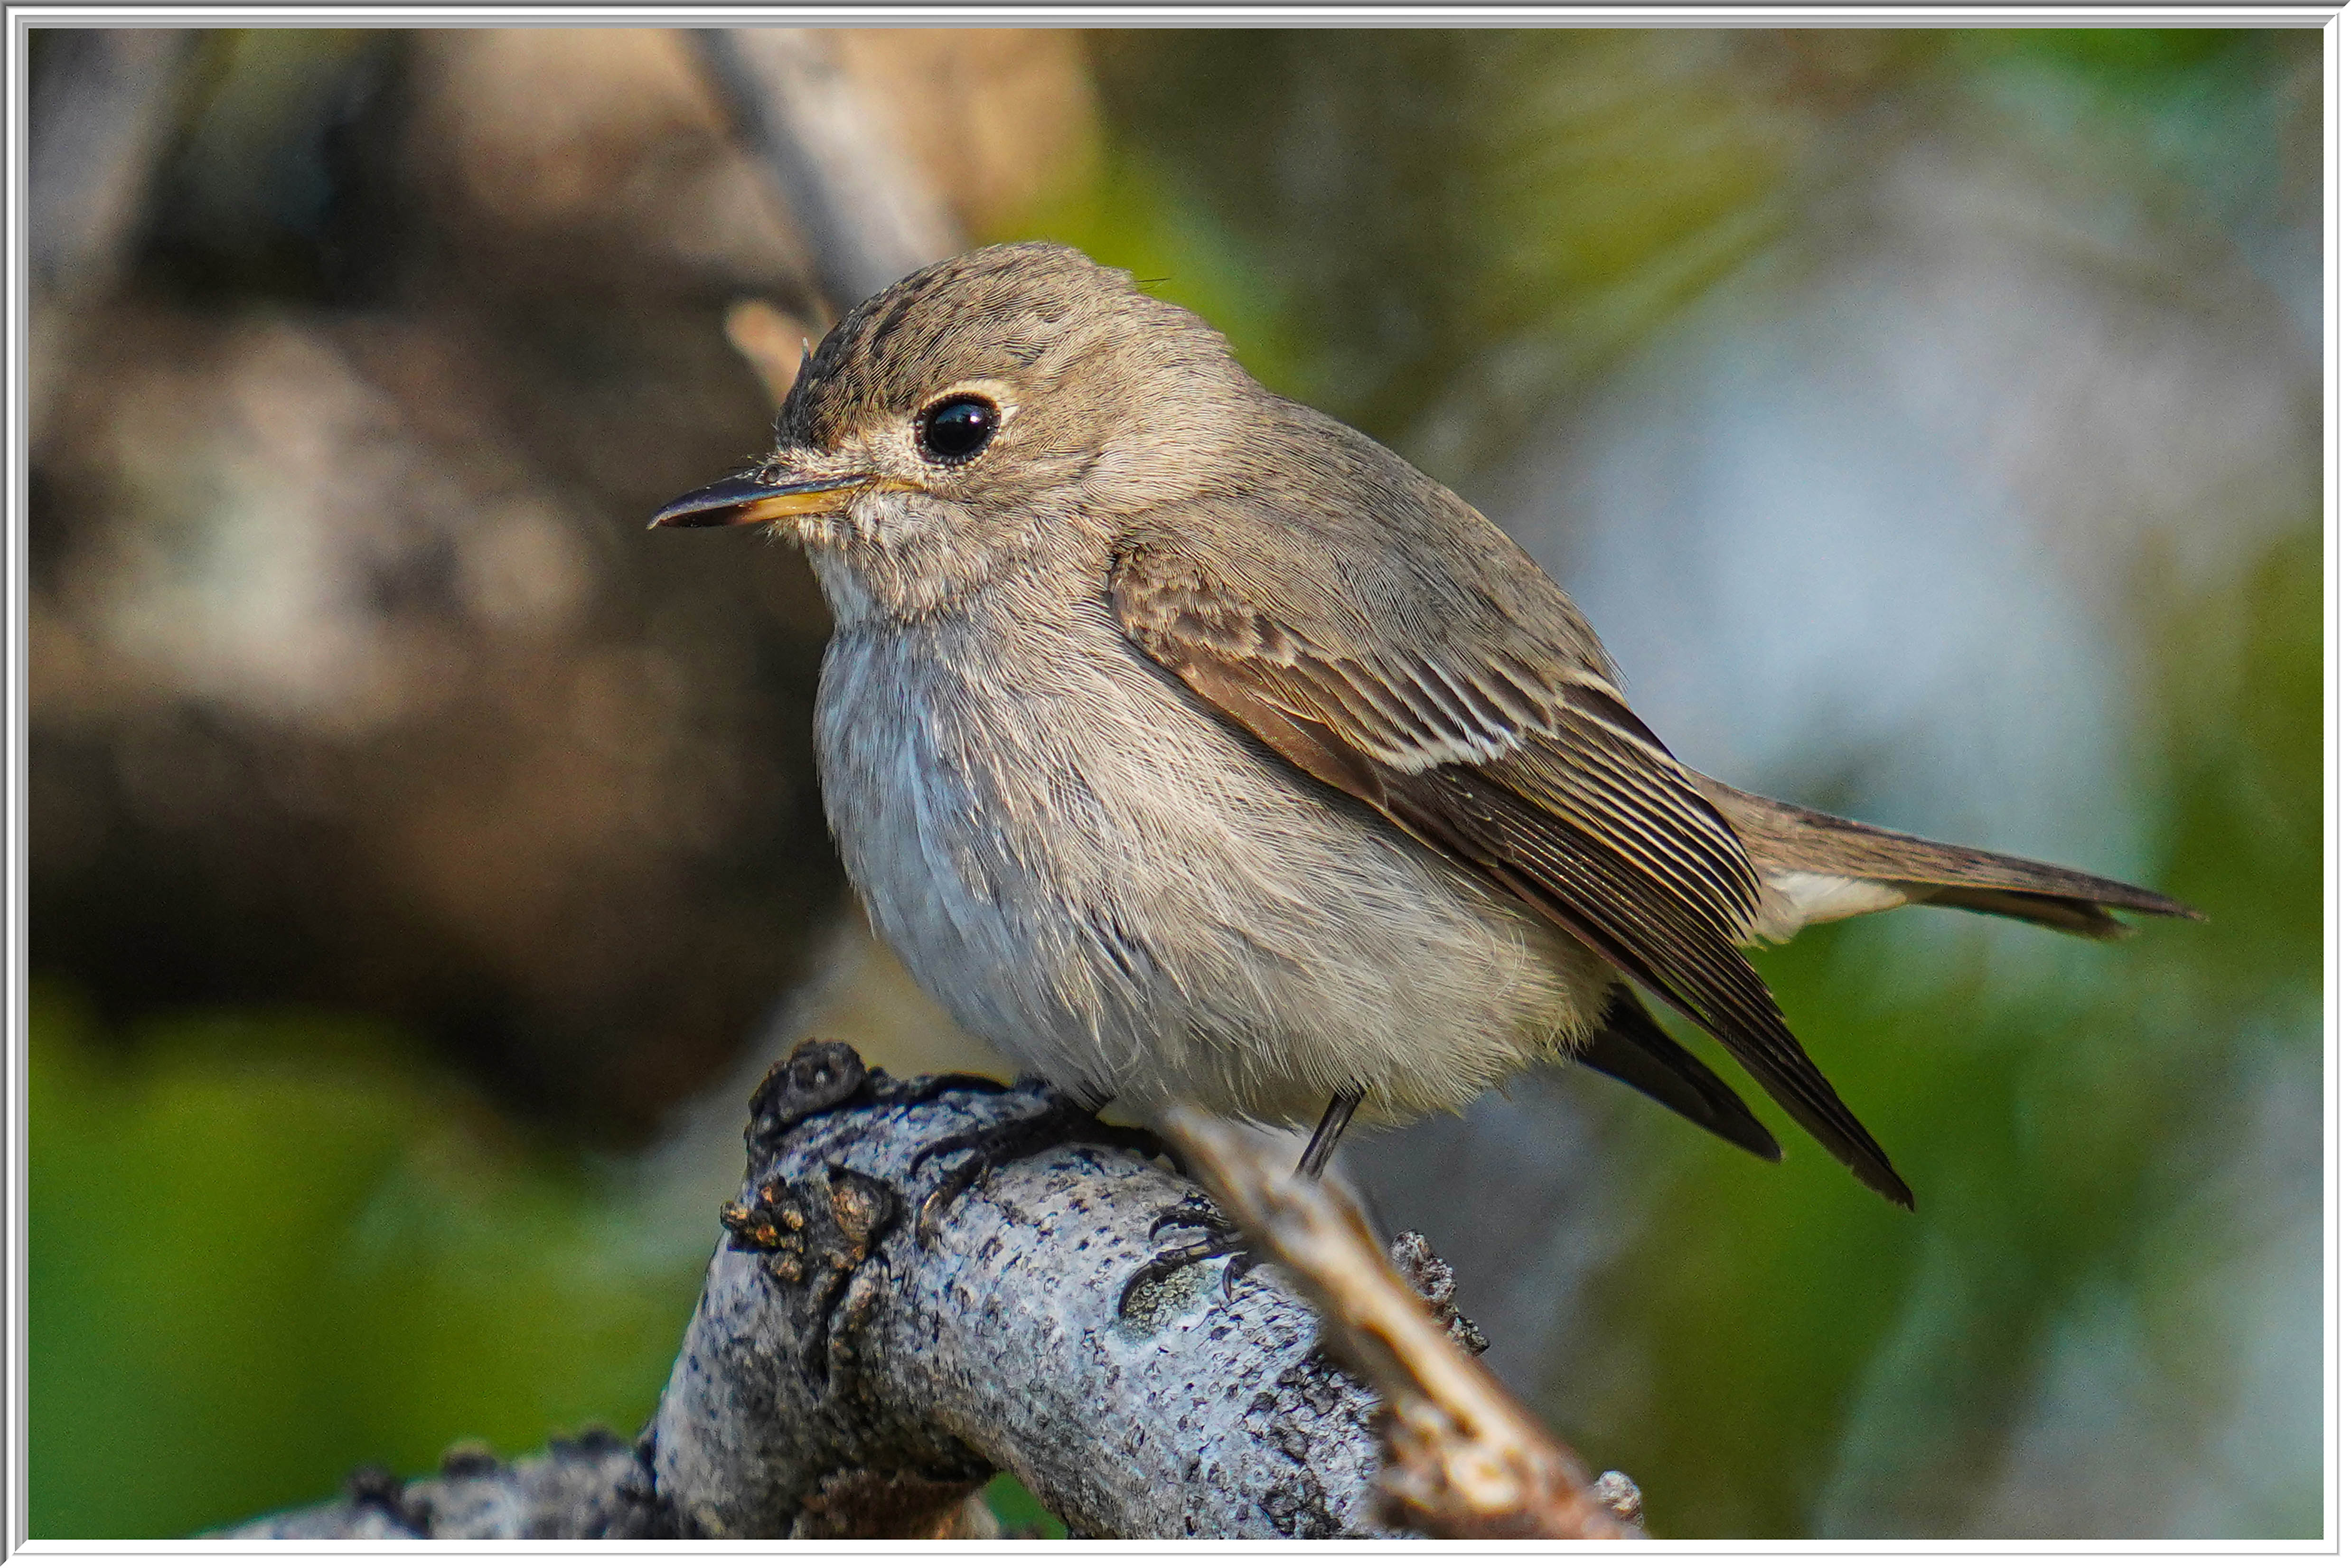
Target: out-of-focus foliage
column 267, row 1246
column 1410, row 203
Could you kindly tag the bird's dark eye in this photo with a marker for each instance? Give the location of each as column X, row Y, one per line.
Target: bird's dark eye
column 955, row 428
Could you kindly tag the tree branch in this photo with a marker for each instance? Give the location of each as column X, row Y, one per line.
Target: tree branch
column 1464, row 1457
column 842, row 1376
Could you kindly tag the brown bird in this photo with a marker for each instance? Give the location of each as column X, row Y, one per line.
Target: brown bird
column 1191, row 745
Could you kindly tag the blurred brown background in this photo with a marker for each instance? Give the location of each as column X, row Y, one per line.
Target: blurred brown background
column 422, row 854
column 356, row 681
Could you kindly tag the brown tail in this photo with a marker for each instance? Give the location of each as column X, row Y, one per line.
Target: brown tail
column 1782, row 838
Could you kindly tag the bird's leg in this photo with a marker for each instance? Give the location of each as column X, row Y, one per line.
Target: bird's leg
column 1220, row 1237
column 988, row 1148
column 1326, row 1140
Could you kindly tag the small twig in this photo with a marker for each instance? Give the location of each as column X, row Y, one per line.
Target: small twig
column 1462, row 1457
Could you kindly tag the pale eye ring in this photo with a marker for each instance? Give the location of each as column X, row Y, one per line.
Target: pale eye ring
column 956, row 428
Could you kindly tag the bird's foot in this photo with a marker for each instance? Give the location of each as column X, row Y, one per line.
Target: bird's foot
column 1220, row 1237
column 1000, row 1143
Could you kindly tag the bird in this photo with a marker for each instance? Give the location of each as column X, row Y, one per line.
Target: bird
column 1189, row 745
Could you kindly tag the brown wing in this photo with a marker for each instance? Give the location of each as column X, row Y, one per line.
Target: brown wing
column 1629, row 1047
column 1531, row 771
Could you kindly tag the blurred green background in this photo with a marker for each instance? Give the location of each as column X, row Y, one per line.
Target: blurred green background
column 1930, row 422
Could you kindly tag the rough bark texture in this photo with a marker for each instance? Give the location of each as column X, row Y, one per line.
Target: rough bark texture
column 597, row 1487
column 1464, row 1458
column 846, row 1376
column 843, row 1369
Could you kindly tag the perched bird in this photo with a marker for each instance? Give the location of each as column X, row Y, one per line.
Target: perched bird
column 1189, row 745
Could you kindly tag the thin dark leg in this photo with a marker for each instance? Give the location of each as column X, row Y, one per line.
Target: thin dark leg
column 1325, row 1141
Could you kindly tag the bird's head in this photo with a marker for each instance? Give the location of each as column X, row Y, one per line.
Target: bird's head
column 1018, row 396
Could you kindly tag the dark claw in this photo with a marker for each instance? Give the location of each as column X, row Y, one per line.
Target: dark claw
column 953, row 1185
column 1237, row 1263
column 1000, row 1143
column 1196, row 1212
column 1222, row 1240
column 958, row 1142
column 1141, row 1141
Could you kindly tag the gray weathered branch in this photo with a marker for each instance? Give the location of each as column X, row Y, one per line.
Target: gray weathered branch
column 858, row 1363
column 596, row 1487
column 1464, row 1457
column 844, row 1375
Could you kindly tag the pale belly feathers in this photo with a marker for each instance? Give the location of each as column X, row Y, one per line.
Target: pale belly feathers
column 1108, row 888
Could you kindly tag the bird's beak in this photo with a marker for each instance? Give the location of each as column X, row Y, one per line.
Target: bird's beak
column 755, row 496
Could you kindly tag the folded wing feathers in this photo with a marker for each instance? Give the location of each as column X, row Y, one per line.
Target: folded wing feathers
column 1612, row 778
column 1668, row 947
column 1531, row 769
column 1629, row 1047
column 1549, row 786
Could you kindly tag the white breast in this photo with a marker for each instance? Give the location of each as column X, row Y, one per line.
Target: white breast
column 1117, row 892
